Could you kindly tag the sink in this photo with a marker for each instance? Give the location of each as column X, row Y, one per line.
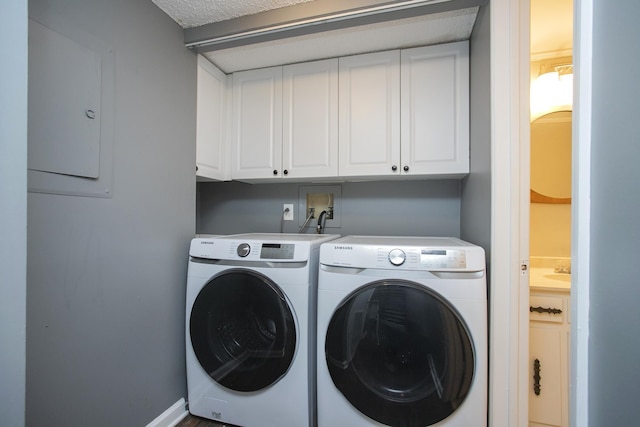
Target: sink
column 559, row 276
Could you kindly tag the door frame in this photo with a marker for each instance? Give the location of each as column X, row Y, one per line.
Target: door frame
column 581, row 212
column 509, row 294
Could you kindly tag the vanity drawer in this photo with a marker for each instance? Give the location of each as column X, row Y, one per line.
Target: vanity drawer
column 547, row 309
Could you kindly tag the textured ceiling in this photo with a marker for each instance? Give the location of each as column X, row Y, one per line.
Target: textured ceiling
column 417, row 31
column 447, row 24
column 193, row 13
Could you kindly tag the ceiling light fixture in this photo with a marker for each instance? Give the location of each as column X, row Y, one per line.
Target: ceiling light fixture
column 552, row 90
column 324, row 19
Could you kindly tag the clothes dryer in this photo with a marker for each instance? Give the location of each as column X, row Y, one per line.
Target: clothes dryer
column 402, row 332
column 250, row 328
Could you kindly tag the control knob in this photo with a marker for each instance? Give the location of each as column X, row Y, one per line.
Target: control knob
column 397, row 257
column 243, row 249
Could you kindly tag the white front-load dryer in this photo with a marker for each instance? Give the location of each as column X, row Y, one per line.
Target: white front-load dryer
column 250, row 328
column 402, row 333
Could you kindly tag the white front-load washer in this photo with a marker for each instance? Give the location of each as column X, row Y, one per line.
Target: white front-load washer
column 250, row 328
column 402, row 332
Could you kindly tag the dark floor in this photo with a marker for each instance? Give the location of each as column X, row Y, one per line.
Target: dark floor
column 193, row 421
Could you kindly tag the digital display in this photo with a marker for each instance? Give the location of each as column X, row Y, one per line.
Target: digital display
column 434, row 252
column 277, row 251
column 443, row 258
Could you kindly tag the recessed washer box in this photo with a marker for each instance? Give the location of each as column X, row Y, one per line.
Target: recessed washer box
column 320, row 198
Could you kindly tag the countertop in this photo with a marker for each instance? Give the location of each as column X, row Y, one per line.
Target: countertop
column 543, row 275
column 545, row 279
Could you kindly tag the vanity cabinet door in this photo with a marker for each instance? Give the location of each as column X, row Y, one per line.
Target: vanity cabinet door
column 257, row 124
column 211, row 153
column 435, row 110
column 545, row 357
column 549, row 359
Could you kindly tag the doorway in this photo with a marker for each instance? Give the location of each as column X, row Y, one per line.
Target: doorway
column 551, row 105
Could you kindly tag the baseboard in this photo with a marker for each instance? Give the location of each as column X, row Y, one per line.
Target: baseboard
column 172, row 416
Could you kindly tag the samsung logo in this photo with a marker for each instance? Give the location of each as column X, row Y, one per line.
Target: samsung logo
column 344, row 248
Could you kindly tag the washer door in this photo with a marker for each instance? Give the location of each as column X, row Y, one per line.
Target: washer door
column 242, row 330
column 400, row 353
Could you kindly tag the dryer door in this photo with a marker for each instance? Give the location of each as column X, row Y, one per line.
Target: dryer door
column 400, row 353
column 242, row 330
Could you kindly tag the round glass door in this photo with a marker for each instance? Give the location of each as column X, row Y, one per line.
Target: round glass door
column 400, row 353
column 242, row 330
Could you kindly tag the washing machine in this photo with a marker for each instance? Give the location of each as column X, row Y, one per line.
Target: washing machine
column 402, row 332
column 250, row 328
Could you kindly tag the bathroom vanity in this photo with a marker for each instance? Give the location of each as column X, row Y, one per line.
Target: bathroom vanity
column 549, row 328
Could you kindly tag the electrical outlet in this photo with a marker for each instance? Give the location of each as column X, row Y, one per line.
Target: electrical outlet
column 287, row 212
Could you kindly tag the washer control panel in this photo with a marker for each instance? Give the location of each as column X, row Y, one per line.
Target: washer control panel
column 277, row 251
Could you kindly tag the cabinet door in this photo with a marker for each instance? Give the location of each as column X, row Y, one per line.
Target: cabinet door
column 310, row 119
column 211, row 160
column 369, row 122
column 435, row 109
column 545, row 346
column 257, row 124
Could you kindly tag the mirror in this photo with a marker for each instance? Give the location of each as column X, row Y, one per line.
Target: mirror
column 551, row 158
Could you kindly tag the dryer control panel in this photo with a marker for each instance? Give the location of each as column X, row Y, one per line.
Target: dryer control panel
column 423, row 258
column 443, row 258
column 404, row 253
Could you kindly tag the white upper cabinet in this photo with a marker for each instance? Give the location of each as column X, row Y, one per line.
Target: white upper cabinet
column 405, row 113
column 370, row 114
column 400, row 113
column 211, row 154
column 310, row 120
column 257, row 124
column 285, row 122
column 435, row 110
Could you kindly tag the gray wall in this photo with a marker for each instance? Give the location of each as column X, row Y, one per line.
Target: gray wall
column 476, row 187
column 402, row 208
column 106, row 276
column 13, row 210
column 614, row 349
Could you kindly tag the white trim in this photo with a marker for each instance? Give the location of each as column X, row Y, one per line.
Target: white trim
column 172, row 416
column 523, row 185
column 540, row 56
column 581, row 213
column 506, row 104
column 325, row 19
